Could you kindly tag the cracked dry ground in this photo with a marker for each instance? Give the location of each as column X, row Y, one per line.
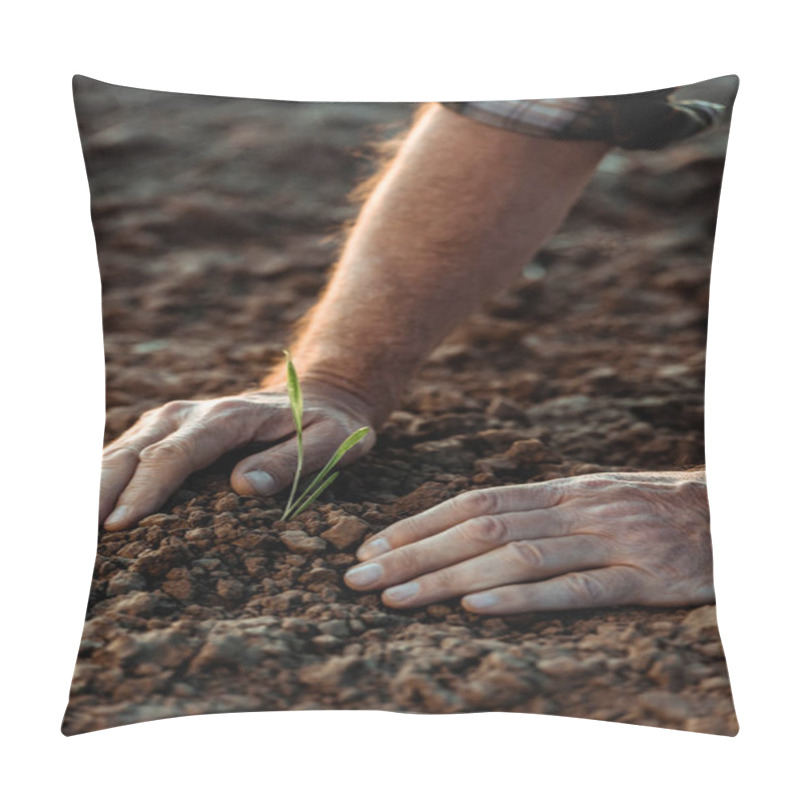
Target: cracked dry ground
column 213, row 219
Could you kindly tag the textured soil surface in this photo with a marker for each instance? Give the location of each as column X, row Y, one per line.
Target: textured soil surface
column 216, row 222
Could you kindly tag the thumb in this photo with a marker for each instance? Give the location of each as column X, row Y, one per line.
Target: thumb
column 271, row 470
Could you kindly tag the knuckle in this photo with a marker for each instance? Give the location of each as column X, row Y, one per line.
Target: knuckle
column 477, row 503
column 585, row 588
column 115, row 451
column 173, row 407
column 525, row 553
column 596, row 484
column 486, row 530
column 152, row 415
column 610, row 482
column 229, row 412
column 617, row 509
column 231, row 405
column 236, row 416
column 554, row 490
column 166, row 450
column 562, row 520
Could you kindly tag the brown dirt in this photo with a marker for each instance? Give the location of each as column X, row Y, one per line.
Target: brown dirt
column 213, row 218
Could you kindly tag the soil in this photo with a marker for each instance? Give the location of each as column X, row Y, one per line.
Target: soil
column 217, row 221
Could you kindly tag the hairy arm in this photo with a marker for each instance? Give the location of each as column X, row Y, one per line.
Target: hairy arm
column 453, row 219
column 456, row 216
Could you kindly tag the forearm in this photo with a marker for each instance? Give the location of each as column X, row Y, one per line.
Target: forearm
column 458, row 213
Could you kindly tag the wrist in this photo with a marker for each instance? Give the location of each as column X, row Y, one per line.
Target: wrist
column 369, row 404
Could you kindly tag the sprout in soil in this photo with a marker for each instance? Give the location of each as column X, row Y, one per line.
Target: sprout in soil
column 326, row 476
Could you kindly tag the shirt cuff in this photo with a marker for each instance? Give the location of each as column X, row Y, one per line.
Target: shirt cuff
column 647, row 120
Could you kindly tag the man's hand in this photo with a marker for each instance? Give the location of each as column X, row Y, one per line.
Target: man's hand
column 595, row 540
column 433, row 241
column 145, row 465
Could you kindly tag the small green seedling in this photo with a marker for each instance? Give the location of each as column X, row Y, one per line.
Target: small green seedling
column 326, row 476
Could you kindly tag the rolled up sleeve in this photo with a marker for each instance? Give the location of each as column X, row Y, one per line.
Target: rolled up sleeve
column 641, row 121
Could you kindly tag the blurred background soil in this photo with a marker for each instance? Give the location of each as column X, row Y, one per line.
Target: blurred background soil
column 217, row 221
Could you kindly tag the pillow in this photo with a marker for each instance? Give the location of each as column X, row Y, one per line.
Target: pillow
column 518, row 310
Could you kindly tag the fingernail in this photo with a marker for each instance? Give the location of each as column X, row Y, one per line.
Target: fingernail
column 262, row 482
column 374, row 548
column 486, row 600
column 116, row 516
column 364, row 575
column 403, row 592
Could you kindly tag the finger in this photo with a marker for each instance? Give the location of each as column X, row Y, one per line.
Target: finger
column 271, row 470
column 116, row 471
column 459, row 509
column 164, row 465
column 526, row 560
column 460, row 543
column 121, row 457
column 610, row 586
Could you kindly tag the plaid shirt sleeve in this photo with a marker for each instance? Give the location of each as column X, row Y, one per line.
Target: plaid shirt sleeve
column 642, row 121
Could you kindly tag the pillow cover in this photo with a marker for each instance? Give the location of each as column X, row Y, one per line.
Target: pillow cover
column 535, row 497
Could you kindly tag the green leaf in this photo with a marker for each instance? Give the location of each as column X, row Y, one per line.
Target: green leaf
column 352, row 440
column 321, row 481
column 296, row 403
column 295, row 392
column 317, row 492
